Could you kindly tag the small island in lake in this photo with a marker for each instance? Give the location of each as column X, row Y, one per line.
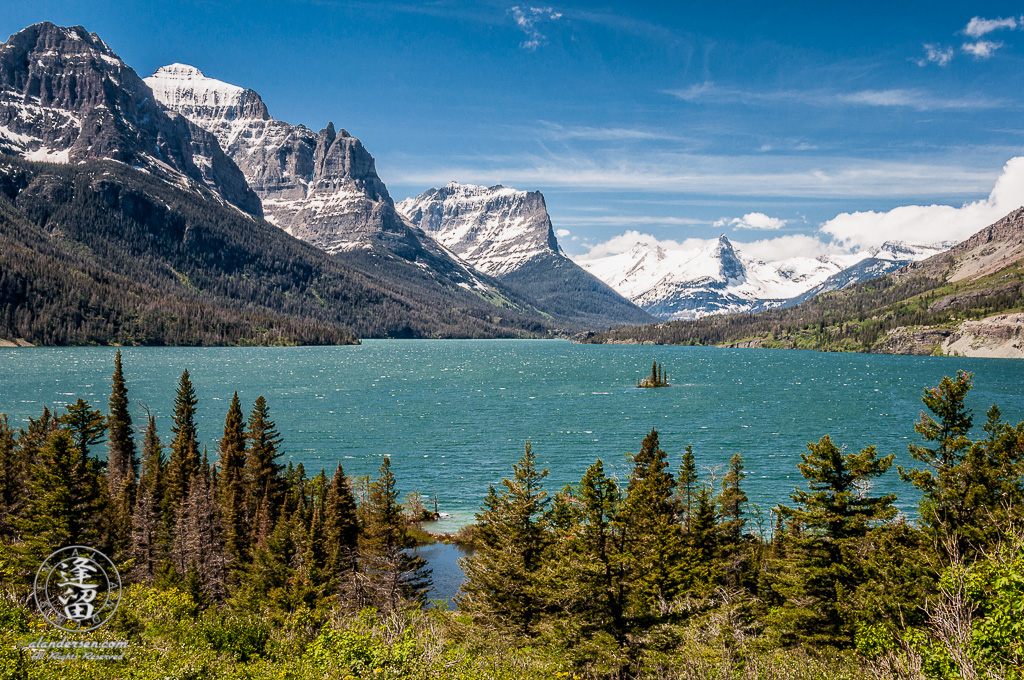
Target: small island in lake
column 657, row 378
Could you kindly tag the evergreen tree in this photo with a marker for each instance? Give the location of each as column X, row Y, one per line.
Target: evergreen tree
column 966, row 485
column 264, row 485
column 394, row 575
column 687, row 488
column 822, row 568
column 184, row 460
column 148, row 536
column 502, row 575
column 85, row 424
column 122, row 461
column 12, row 478
column 653, row 532
column 588, row 580
column 732, row 499
column 340, row 523
column 67, row 500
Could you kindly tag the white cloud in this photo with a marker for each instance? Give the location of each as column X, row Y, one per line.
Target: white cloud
column 936, row 54
column 931, row 223
column 754, row 220
column 692, row 93
column 983, row 49
column 556, row 131
column 978, row 27
column 915, row 99
column 626, row 241
column 562, row 233
column 527, row 18
column 761, row 175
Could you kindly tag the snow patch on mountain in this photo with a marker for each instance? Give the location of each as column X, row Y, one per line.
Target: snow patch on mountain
column 718, row 278
column 496, row 229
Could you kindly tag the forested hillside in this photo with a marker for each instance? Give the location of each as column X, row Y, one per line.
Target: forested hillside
column 247, row 568
column 101, row 253
column 976, row 279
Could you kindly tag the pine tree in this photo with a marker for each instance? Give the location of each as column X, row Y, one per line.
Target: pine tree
column 263, row 482
column 12, row 478
column 85, row 424
column 341, row 526
column 822, row 567
column 395, row 576
column 184, row 460
column 148, row 535
column 655, row 543
column 67, row 500
column 732, row 500
column 122, row 461
column 502, row 575
column 588, row 581
column 687, row 488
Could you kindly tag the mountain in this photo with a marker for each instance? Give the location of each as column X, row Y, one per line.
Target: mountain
column 66, row 97
column 321, row 187
column 100, row 252
column 507, row 234
column 967, row 300
column 718, row 279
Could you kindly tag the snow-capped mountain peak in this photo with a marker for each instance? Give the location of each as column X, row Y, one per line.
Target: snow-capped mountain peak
column 496, row 229
column 718, row 278
column 188, row 91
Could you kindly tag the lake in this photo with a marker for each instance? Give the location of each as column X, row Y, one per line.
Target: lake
column 454, row 415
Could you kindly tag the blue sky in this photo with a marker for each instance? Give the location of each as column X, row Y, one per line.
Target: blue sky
column 659, row 121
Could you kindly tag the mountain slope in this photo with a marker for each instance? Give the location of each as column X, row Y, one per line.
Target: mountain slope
column 967, row 299
column 65, row 96
column 100, row 253
column 718, row 279
column 323, row 188
column 507, row 234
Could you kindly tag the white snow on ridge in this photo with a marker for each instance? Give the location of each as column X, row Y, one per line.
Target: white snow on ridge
column 181, row 86
column 497, row 229
column 718, row 278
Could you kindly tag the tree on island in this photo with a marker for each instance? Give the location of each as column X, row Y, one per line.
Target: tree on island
column 657, row 378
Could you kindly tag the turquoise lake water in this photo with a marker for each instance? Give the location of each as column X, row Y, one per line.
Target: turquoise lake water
column 454, row 415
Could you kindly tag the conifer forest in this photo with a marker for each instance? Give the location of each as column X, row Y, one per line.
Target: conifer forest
column 235, row 565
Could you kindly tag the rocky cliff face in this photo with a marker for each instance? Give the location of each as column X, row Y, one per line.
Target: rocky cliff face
column 65, row 96
column 496, row 229
column 507, row 234
column 321, row 187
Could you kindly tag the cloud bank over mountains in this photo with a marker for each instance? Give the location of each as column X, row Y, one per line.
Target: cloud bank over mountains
column 853, row 231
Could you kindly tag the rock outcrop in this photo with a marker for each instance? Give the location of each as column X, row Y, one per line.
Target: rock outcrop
column 66, row 97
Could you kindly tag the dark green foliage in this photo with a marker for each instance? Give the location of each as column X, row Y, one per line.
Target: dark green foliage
column 501, row 577
column 686, row 488
column 85, row 424
column 965, row 485
column 184, row 462
column 122, row 462
column 101, row 253
column 231, row 481
column 67, row 500
column 393, row 576
column 340, row 523
column 654, row 536
column 732, row 499
column 824, row 565
column 12, row 477
column 263, row 483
